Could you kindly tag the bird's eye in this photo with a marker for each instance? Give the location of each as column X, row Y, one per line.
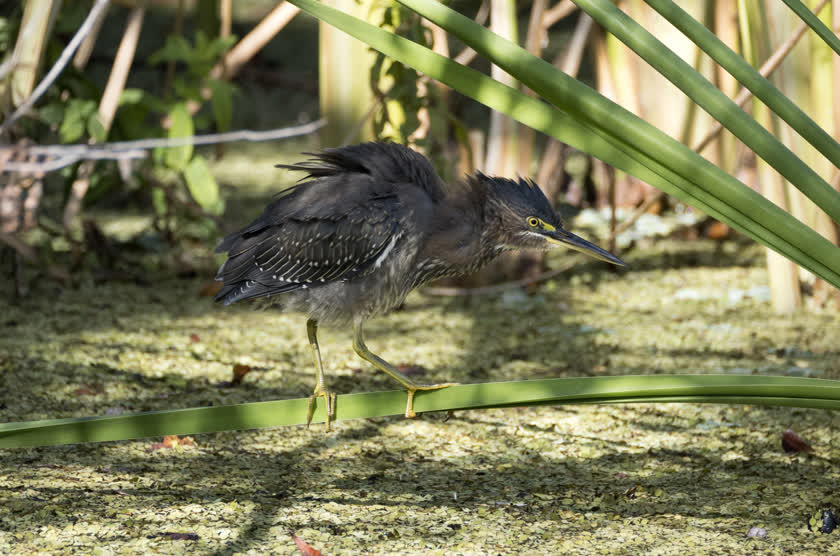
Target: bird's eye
column 533, row 222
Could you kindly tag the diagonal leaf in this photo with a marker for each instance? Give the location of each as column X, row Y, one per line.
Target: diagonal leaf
column 721, row 107
column 747, row 75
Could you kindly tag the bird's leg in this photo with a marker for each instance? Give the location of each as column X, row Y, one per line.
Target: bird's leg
column 320, row 388
column 410, row 386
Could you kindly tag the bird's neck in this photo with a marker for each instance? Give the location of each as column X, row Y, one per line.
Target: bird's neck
column 493, row 238
column 486, row 212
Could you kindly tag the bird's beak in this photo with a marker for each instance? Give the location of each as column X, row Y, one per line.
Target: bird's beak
column 570, row 240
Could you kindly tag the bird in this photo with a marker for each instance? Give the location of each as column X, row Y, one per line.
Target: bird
column 366, row 225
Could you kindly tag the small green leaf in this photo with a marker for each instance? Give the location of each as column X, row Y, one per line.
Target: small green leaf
column 75, row 119
column 95, row 128
column 222, row 103
column 176, row 49
column 220, row 45
column 71, row 129
column 131, row 96
column 181, row 126
column 202, row 185
column 201, row 41
column 52, row 114
column 159, row 201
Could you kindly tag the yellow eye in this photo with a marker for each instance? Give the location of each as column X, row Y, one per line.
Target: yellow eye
column 533, row 222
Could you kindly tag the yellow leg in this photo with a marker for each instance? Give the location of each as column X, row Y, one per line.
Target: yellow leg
column 320, row 388
column 410, row 386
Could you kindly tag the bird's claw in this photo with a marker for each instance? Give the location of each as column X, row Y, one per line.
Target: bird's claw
column 412, row 389
column 329, row 400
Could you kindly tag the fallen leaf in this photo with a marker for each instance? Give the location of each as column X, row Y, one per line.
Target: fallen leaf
column 792, row 443
column 85, row 391
column 304, row 548
column 239, row 372
column 210, row 289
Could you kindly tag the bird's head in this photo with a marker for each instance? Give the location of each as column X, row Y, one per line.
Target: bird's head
column 526, row 220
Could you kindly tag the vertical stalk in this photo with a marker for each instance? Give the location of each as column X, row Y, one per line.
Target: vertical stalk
column 82, row 55
column 782, row 273
column 502, row 156
column 726, row 28
column 343, row 78
column 434, row 123
column 824, row 88
column 824, row 108
column 533, row 44
column 625, row 69
column 35, row 26
column 225, row 18
column 550, row 172
column 107, row 109
column 177, row 29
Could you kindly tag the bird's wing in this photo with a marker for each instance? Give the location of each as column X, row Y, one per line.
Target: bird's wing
column 299, row 253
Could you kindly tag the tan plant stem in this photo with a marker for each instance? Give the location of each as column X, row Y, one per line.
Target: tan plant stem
column 107, row 109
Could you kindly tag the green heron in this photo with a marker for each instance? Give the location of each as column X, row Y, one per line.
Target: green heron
column 368, row 224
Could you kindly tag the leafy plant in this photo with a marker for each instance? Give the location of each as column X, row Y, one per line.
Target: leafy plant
column 395, row 84
column 71, row 112
column 190, row 87
column 410, row 110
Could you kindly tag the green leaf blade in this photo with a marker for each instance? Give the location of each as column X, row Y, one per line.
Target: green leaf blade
column 756, row 390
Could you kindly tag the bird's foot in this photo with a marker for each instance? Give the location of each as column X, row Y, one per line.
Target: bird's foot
column 411, row 389
column 329, row 400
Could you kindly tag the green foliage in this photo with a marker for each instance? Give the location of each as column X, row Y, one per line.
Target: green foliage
column 402, row 94
column 200, row 58
column 9, row 25
column 221, row 102
column 79, row 117
column 394, row 83
column 175, row 177
column 192, row 170
column 181, row 125
column 74, row 118
column 202, row 185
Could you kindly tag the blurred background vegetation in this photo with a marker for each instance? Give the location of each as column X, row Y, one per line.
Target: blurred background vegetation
column 178, row 68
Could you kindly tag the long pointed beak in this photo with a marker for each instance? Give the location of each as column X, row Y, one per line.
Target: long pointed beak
column 570, row 240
